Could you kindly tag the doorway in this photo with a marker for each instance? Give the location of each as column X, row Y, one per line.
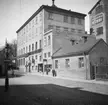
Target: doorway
column 92, row 71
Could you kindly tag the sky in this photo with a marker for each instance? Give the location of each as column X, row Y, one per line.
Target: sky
column 14, row 13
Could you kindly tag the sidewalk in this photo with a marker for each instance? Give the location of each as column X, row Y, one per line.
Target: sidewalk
column 72, row 79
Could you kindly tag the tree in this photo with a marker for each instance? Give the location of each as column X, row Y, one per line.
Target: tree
column 13, row 53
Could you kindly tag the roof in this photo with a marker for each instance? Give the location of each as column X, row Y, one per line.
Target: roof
column 94, row 7
column 66, row 49
column 49, row 8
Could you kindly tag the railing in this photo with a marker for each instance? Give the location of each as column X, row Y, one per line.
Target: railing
column 30, row 53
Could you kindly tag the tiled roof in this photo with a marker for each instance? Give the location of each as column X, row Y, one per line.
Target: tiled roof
column 65, row 48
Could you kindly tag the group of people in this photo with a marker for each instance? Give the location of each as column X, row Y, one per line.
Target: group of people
column 49, row 69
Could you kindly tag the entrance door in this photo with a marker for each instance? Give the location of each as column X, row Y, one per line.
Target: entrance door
column 92, row 71
column 40, row 67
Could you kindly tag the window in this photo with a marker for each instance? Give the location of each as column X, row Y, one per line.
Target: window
column 40, row 58
column 33, row 23
column 56, row 64
column 29, row 25
column 36, row 19
column 23, row 61
column 67, row 65
column 36, row 57
column 24, row 30
column 40, row 16
column 32, row 47
column 29, row 48
column 49, row 54
column 66, row 18
column 36, row 46
column 26, row 49
column 72, row 30
column 57, row 28
column 50, row 16
column 27, row 28
column 50, row 27
column 99, row 31
column 65, row 29
column 33, row 60
column 45, row 55
column 72, row 20
column 102, row 60
column 49, row 40
column 40, row 44
column 99, row 9
column 45, row 41
column 81, row 62
column 80, row 21
column 79, row 31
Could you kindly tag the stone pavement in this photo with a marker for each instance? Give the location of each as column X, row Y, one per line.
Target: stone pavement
column 73, row 79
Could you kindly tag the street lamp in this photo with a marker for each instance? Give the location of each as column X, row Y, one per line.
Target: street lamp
column 7, row 50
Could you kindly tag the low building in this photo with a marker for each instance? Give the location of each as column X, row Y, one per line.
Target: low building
column 80, row 60
column 75, row 56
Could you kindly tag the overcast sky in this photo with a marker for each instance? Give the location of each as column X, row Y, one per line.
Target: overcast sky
column 13, row 13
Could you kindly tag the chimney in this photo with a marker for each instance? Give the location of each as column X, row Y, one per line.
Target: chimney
column 53, row 2
column 85, row 38
column 72, row 41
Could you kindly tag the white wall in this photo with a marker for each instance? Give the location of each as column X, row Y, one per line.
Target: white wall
column 73, row 71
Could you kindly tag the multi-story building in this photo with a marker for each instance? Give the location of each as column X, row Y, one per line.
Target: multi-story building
column 30, row 35
column 99, row 20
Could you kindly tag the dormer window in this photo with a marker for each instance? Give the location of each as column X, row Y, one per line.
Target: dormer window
column 85, row 38
column 72, row 41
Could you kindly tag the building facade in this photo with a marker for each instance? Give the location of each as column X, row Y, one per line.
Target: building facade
column 88, row 60
column 99, row 20
column 30, row 36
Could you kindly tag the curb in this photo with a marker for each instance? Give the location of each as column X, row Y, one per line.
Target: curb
column 71, row 79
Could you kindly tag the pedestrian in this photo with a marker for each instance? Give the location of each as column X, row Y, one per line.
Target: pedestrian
column 54, row 73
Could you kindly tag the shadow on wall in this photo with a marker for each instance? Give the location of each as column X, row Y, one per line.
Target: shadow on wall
column 49, row 94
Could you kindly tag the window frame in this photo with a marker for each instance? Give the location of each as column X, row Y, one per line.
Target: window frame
column 65, row 19
column 81, row 62
column 67, row 63
column 72, row 20
column 56, row 64
column 79, row 21
column 49, row 54
column 99, row 31
column 50, row 15
column 49, row 40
